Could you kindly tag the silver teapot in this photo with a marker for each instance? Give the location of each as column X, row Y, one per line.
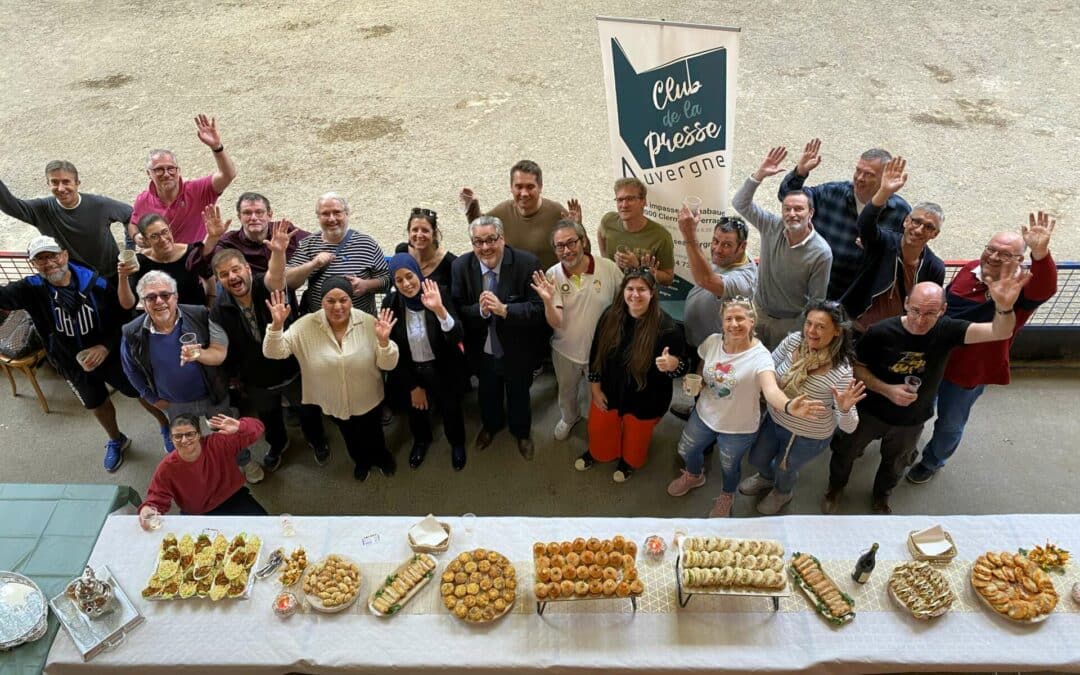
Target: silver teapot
column 92, row 595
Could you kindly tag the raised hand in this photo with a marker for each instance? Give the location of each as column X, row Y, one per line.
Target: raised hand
column 211, row 216
column 806, row 408
column 1037, row 233
column 208, row 133
column 771, row 165
column 810, row 158
column 280, row 236
column 666, row 362
column 543, row 286
column 224, row 424
column 466, row 197
column 688, row 223
column 573, row 210
column 893, row 177
column 430, row 296
column 279, row 311
column 648, row 260
column 1006, row 290
column 855, row 392
column 383, row 323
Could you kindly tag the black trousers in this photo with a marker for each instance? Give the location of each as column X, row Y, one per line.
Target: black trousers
column 267, row 404
column 242, row 503
column 497, row 386
column 445, row 393
column 364, row 439
column 899, row 450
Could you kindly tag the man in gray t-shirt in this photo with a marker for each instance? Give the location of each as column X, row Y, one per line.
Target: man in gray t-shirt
column 80, row 223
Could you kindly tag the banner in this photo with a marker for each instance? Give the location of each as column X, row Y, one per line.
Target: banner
column 671, row 115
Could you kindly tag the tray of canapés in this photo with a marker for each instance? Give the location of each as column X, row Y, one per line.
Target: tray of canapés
column 586, row 569
column 202, row 567
column 722, row 566
column 921, row 589
column 1014, row 587
column 402, row 584
column 830, row 602
column 479, row 586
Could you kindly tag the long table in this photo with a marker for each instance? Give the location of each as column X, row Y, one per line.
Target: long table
column 710, row 634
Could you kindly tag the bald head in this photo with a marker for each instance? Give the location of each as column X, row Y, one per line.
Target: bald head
column 923, row 307
column 927, row 291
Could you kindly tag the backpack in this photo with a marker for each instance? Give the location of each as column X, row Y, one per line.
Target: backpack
column 18, row 338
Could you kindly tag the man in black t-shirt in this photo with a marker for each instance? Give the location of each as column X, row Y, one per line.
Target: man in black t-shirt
column 901, row 360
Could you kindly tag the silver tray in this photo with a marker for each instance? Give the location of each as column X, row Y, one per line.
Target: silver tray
column 24, row 614
column 93, row 636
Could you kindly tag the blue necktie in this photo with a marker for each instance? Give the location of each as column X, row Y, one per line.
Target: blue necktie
column 490, row 283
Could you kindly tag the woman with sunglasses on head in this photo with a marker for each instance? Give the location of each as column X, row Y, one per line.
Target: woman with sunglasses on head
column 637, row 351
column 816, row 362
column 424, row 239
column 164, row 254
column 736, row 371
column 430, row 371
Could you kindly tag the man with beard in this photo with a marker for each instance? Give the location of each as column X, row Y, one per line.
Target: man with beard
column 80, row 223
column 972, row 367
column 837, row 206
column 633, row 240
column 243, row 313
column 78, row 317
column 795, row 260
column 252, row 239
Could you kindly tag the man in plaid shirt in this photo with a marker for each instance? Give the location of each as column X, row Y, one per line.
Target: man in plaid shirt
column 837, row 206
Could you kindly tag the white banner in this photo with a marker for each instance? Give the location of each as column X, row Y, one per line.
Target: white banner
column 671, row 114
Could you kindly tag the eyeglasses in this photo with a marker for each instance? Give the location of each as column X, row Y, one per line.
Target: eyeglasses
column 490, row 241
column 185, row 436
column 162, row 170
column 1000, row 254
column 427, row 213
column 630, row 198
column 919, row 314
column 46, row 258
column 151, row 298
column 924, row 224
column 569, row 243
column 163, row 234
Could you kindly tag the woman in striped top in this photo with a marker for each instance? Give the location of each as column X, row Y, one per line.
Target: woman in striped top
column 816, row 362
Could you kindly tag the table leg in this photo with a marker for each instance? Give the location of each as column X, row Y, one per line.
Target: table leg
column 775, row 604
column 540, row 607
column 633, row 603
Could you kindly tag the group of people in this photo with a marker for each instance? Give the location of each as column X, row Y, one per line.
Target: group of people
column 841, row 333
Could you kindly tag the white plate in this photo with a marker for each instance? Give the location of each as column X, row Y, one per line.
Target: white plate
column 314, row 600
column 412, row 591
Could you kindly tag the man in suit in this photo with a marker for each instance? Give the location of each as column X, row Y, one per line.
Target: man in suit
column 505, row 333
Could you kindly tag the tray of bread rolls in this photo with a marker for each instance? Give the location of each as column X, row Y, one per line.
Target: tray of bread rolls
column 402, row 584
column 586, row 569
column 830, row 602
column 724, row 566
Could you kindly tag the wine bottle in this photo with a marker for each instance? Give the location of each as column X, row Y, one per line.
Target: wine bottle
column 865, row 565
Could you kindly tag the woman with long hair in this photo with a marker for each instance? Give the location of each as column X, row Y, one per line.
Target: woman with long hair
column 637, row 351
column 164, row 254
column 816, row 362
column 424, row 244
column 736, row 371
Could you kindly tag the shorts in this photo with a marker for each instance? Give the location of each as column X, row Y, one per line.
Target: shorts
column 90, row 387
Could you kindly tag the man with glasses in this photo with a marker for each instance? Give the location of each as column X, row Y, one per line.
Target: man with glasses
column 77, row 315
column 901, row 360
column 182, row 202
column 505, row 335
column 252, row 239
column 172, row 356
column 575, row 292
column 633, row 240
column 727, row 273
column 894, row 262
column 971, row 367
column 79, row 222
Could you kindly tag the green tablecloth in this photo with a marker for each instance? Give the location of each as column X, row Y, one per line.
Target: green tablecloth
column 47, row 533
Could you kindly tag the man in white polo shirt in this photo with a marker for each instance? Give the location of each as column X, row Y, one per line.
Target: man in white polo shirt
column 576, row 291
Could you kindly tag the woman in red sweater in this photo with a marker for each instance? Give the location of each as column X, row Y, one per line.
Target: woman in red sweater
column 202, row 476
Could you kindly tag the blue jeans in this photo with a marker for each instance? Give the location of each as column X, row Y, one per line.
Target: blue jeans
column 697, row 437
column 954, row 404
column 767, row 455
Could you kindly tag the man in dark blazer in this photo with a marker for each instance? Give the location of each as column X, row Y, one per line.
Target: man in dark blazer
column 505, row 331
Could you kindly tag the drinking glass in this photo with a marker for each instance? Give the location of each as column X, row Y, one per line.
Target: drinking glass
column 912, row 383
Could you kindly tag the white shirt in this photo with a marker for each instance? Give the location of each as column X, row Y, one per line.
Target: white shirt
column 416, row 330
column 730, row 390
column 583, row 299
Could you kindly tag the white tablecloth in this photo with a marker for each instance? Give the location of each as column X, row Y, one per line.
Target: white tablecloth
column 245, row 636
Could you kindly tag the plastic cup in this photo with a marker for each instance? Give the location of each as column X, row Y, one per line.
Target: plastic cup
column 153, row 521
column 692, row 384
column 912, row 383
column 81, row 359
column 287, row 528
column 468, row 523
column 693, row 202
column 189, row 346
column 127, row 257
column 679, row 534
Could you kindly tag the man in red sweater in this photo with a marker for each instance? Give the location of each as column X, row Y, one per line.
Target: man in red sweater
column 202, row 476
column 971, row 367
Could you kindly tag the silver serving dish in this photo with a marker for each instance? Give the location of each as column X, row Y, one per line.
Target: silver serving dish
column 94, row 635
column 24, row 613
column 91, row 595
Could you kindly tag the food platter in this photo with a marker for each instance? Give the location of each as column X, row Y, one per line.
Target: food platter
column 723, row 566
column 921, row 589
column 1013, row 587
column 402, row 584
column 24, row 611
column 842, row 609
column 479, row 586
column 332, row 584
column 202, row 567
column 586, row 569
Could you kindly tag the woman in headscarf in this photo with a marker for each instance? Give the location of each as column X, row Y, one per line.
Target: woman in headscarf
column 431, row 368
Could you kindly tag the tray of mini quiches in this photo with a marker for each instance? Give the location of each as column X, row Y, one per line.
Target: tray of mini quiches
column 479, row 586
column 402, row 584
column 921, row 589
column 1014, row 587
column 830, row 602
column 722, row 566
column 585, row 569
column 203, row 567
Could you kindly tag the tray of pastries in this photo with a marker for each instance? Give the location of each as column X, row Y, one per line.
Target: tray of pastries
column 202, row 567
column 722, row 566
column 479, row 586
column 830, row 602
column 921, row 589
column 1014, row 587
column 332, row 584
column 585, row 569
column 402, row 584
column 294, row 567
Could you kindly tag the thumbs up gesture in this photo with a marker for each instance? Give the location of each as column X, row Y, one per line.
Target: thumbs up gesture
column 666, row 362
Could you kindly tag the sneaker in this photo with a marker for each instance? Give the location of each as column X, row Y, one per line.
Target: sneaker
column 685, row 483
column 322, row 454
column 755, row 485
column 681, row 410
column 585, row 462
column 166, row 436
column 722, row 505
column 919, row 474
column 623, row 472
column 562, row 429
column 114, row 452
column 253, row 472
column 773, row 502
column 272, row 460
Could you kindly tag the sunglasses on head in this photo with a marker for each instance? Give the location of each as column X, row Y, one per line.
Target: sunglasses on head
column 427, row 213
column 734, row 223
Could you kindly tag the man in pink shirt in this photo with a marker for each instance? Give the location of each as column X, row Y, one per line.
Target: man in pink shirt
column 182, row 202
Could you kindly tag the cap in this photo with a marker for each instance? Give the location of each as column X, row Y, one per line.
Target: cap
column 41, row 245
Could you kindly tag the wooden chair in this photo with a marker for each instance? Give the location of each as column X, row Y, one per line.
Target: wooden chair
column 15, row 266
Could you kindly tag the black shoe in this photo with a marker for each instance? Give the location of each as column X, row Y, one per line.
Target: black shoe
column 585, row 462
column 419, row 451
column 483, row 439
column 526, row 448
column 388, row 468
column 830, row 503
column 881, row 505
column 919, row 474
column 360, row 473
column 272, row 460
column 457, row 457
column 322, row 454
column 622, row 472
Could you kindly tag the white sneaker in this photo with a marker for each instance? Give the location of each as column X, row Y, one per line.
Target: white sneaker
column 755, row 485
column 253, row 472
column 562, row 429
column 773, row 502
